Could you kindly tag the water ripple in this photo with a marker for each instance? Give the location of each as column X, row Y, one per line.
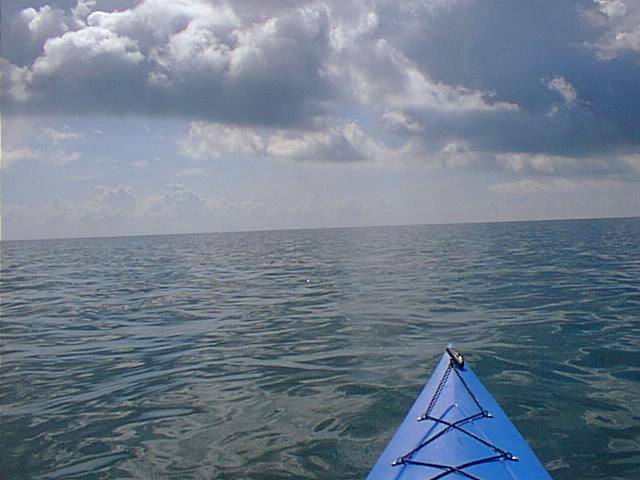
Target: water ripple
column 295, row 354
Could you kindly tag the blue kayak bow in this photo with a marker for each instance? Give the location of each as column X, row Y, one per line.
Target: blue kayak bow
column 456, row 429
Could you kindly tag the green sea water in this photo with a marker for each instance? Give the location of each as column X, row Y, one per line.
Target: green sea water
column 295, row 354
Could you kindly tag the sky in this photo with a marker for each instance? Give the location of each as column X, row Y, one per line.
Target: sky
column 123, row 117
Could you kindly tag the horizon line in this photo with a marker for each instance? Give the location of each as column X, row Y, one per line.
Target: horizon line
column 333, row 227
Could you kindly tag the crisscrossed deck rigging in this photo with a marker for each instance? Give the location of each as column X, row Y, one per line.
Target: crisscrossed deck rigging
column 456, row 362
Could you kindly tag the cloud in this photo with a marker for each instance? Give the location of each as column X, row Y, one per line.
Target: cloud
column 175, row 202
column 342, row 144
column 10, row 157
column 80, row 52
column 633, row 161
column 540, row 163
column 621, row 22
column 59, row 136
column 58, row 156
column 566, row 90
column 334, row 142
column 207, row 60
column 179, row 203
column 22, row 142
column 388, row 79
column 216, row 139
column 339, row 81
column 194, row 58
column 398, row 121
column 118, row 201
column 30, row 29
column 456, row 154
column 612, row 8
column 613, row 166
column 207, row 140
column 347, row 142
column 14, row 81
column 495, row 47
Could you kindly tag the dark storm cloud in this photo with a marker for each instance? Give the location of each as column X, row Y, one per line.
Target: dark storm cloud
column 568, row 131
column 515, row 49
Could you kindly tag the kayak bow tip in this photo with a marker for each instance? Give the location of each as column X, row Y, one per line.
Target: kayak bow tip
column 456, row 357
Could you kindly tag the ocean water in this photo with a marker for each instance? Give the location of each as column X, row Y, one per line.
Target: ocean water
column 295, row 354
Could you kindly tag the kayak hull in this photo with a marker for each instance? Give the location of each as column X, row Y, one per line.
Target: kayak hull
column 455, row 429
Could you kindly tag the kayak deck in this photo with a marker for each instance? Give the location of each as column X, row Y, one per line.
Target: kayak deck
column 455, row 428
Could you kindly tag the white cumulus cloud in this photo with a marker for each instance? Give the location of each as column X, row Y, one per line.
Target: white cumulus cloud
column 80, row 52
